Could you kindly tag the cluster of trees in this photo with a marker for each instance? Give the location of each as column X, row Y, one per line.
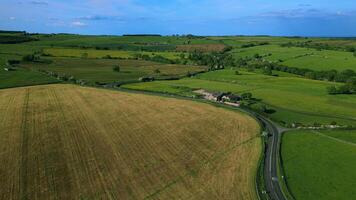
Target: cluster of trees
column 150, row 47
column 13, row 62
column 62, row 77
column 35, row 58
column 15, row 39
column 142, row 35
column 31, row 58
column 215, row 60
column 326, row 75
column 346, row 76
column 319, row 46
column 155, row 58
column 348, row 88
column 254, row 44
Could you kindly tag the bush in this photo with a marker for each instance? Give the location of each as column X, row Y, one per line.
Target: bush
column 246, row 96
column 116, row 68
column 13, row 62
column 29, row 58
column 332, row 90
column 107, row 57
column 157, row 71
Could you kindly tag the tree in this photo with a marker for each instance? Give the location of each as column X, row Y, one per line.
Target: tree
column 117, row 68
column 13, row 62
column 257, row 56
column 30, row 58
column 157, row 71
column 267, row 71
column 107, row 57
column 332, row 90
column 237, row 73
column 262, row 108
column 246, row 96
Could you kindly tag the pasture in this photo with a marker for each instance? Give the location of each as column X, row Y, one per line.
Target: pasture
column 92, row 53
column 101, row 70
column 71, row 142
column 302, row 57
column 295, row 100
column 320, row 165
column 23, row 77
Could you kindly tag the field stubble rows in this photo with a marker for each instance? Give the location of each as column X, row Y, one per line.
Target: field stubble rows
column 68, row 142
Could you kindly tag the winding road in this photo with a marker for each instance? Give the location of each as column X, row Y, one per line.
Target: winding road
column 272, row 182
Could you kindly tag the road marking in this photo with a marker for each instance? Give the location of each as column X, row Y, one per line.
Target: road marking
column 270, row 158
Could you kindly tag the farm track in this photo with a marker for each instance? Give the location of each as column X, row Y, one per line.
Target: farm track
column 335, row 139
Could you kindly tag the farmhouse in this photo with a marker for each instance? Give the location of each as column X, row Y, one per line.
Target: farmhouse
column 220, row 96
column 229, row 97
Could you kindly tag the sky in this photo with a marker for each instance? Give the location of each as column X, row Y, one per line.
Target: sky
column 167, row 17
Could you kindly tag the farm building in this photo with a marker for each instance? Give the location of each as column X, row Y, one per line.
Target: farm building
column 229, row 97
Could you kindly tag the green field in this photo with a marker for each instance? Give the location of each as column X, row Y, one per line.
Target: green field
column 101, row 70
column 23, row 77
column 295, row 100
column 203, row 161
column 320, row 165
column 302, row 57
column 92, row 53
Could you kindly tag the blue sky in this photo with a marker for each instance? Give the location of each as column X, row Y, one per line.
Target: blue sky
column 201, row 17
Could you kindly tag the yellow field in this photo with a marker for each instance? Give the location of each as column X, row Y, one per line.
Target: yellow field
column 69, row 142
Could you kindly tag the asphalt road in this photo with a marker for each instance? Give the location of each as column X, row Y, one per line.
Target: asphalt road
column 272, row 182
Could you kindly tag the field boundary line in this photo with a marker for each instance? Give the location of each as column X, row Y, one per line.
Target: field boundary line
column 335, row 139
column 24, row 147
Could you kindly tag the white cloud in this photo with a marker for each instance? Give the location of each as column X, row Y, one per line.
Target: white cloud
column 78, row 24
column 12, row 18
column 39, row 3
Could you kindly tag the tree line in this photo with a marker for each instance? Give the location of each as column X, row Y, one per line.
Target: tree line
column 348, row 76
column 319, row 46
column 214, row 60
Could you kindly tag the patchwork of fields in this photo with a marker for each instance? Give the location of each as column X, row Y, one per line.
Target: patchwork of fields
column 302, row 57
column 62, row 141
column 70, row 142
column 101, row 70
column 92, row 53
column 295, row 100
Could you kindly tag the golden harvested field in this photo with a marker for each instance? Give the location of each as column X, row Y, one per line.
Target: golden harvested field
column 70, row 142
